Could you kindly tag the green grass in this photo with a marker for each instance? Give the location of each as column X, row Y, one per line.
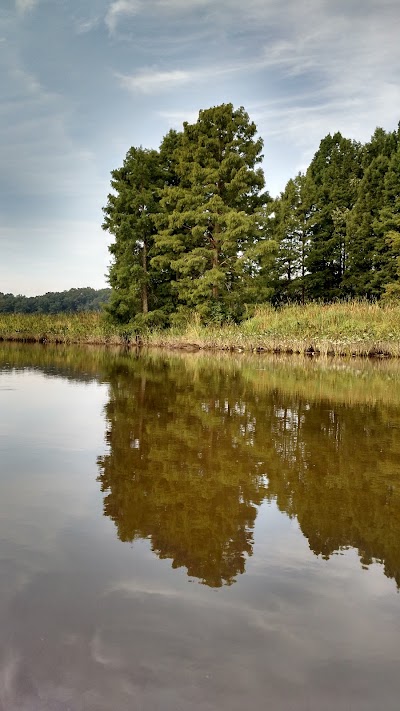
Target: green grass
column 351, row 329
column 87, row 327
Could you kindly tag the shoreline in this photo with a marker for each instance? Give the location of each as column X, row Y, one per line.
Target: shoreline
column 340, row 350
column 352, row 329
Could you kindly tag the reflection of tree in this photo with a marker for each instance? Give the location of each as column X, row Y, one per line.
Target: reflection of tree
column 339, row 473
column 208, row 428
column 192, row 437
column 190, row 445
column 179, row 470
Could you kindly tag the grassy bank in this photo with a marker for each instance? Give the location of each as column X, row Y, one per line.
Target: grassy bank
column 84, row 328
column 347, row 329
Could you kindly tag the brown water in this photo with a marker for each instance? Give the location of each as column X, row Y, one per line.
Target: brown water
column 198, row 532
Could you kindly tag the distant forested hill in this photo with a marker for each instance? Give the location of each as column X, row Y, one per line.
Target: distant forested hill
column 70, row 301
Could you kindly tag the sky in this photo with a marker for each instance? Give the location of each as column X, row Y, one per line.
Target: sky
column 84, row 80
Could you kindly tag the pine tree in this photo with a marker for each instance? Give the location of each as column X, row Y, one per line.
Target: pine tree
column 388, row 228
column 333, row 174
column 137, row 286
column 292, row 232
column 366, row 246
column 210, row 229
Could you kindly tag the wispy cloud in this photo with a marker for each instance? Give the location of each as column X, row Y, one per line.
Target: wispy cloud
column 182, row 4
column 87, row 25
column 301, row 69
column 151, row 81
column 24, row 6
column 120, row 9
column 38, row 155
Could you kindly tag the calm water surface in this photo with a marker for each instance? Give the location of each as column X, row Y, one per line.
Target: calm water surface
column 198, row 533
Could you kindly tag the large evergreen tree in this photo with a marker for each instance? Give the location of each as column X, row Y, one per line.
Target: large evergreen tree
column 388, row 228
column 194, row 228
column 210, row 229
column 367, row 247
column 292, row 231
column 333, row 174
column 138, row 287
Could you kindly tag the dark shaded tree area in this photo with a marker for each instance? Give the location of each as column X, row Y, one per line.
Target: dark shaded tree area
column 71, row 301
column 195, row 229
column 337, row 225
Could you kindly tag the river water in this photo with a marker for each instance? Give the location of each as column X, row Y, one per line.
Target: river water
column 198, row 532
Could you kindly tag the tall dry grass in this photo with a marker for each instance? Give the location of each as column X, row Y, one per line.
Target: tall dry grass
column 87, row 327
column 353, row 328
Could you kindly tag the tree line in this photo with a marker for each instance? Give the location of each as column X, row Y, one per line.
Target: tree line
column 71, row 301
column 195, row 229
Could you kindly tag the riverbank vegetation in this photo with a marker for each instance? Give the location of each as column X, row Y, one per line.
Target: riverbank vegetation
column 195, row 230
column 203, row 257
column 348, row 329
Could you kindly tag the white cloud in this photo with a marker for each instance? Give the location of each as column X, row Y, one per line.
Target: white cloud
column 182, row 5
column 301, row 69
column 37, row 154
column 120, row 9
column 151, row 81
column 24, row 6
column 84, row 26
column 229, row 10
column 25, row 81
column 329, row 79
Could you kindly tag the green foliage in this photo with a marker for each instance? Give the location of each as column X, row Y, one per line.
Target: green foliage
column 195, row 231
column 388, row 226
column 190, row 223
column 336, row 226
column 143, row 323
column 138, row 287
column 212, row 218
column 333, row 174
column 368, row 259
column 292, row 231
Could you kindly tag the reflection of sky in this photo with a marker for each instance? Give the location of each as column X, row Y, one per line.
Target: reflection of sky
column 89, row 622
column 84, row 80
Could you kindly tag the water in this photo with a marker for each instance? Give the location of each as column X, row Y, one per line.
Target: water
column 198, row 532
